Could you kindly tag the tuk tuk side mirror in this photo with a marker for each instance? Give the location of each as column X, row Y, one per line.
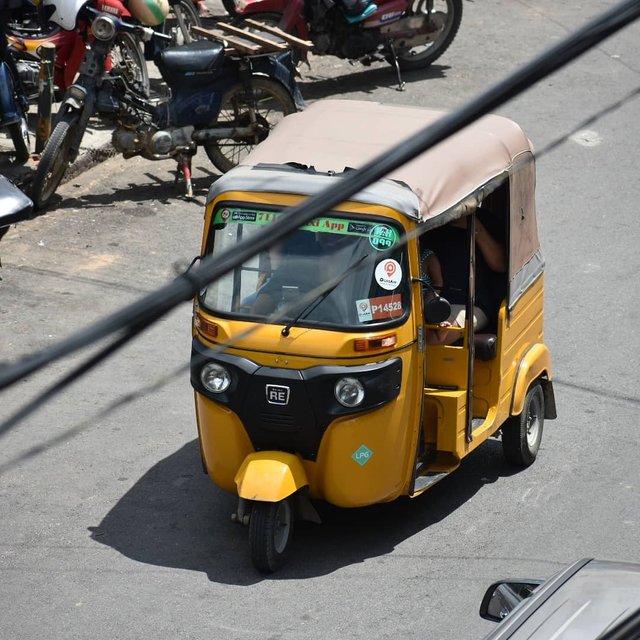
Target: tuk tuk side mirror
column 436, row 310
column 16, row 205
column 502, row 597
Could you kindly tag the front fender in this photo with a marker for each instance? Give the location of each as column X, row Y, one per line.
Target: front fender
column 535, row 363
column 270, row 476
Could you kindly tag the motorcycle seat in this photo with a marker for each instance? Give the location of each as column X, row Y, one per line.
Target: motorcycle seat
column 194, row 57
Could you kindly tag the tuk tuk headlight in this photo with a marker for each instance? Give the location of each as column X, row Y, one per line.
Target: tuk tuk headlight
column 349, row 392
column 215, row 378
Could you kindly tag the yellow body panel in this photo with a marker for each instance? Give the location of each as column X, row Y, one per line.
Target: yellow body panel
column 390, row 433
column 223, row 441
column 521, row 358
column 270, row 476
column 370, row 457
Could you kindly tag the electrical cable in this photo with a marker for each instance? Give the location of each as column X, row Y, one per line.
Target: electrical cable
column 155, row 305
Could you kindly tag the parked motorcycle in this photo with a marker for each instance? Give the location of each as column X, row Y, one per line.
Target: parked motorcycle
column 226, row 103
column 13, row 101
column 409, row 34
column 27, row 31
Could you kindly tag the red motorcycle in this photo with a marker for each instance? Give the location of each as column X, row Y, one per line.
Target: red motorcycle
column 26, row 33
column 409, row 34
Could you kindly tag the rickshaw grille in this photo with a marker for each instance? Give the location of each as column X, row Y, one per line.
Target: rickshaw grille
column 278, row 421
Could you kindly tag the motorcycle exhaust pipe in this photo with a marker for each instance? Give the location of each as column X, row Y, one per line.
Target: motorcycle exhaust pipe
column 202, row 135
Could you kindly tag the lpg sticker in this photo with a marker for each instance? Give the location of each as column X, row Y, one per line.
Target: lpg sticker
column 388, row 274
column 362, row 455
column 364, row 310
column 382, row 237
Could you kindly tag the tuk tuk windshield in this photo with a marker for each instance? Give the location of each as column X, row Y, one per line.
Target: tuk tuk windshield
column 338, row 250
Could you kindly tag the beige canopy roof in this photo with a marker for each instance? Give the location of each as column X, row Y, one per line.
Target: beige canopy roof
column 333, row 134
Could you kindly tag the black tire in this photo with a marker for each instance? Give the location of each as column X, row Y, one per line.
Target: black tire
column 19, row 132
column 521, row 435
column 127, row 56
column 449, row 12
column 54, row 161
column 191, row 19
column 270, row 534
column 272, row 103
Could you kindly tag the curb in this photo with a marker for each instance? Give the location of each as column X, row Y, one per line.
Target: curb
column 88, row 157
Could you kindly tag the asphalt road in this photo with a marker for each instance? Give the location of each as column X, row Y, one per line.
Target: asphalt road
column 109, row 529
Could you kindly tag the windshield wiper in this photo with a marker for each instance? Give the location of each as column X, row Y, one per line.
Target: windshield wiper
column 314, row 302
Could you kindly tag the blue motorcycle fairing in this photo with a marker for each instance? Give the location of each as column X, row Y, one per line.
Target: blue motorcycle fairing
column 196, row 105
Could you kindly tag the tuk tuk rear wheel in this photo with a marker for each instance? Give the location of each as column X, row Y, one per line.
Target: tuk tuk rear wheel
column 270, row 533
column 521, row 435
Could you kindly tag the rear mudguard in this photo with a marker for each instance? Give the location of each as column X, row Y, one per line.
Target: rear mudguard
column 270, row 476
column 535, row 364
column 281, row 69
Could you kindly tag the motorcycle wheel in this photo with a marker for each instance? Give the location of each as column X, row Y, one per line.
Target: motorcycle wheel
column 272, row 103
column 190, row 18
column 19, row 132
column 127, row 57
column 53, row 162
column 270, row 534
column 449, row 14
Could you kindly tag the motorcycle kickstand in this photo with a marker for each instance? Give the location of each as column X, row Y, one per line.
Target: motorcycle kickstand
column 184, row 170
column 396, row 64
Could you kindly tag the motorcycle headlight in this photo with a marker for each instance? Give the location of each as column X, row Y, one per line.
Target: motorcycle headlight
column 349, row 392
column 215, row 378
column 103, row 28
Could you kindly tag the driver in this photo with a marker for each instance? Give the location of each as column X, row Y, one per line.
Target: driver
column 306, row 261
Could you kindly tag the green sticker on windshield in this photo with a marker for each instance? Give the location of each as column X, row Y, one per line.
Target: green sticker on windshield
column 382, row 237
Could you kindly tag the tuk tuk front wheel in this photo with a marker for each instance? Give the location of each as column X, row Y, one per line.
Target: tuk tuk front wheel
column 521, row 435
column 270, row 533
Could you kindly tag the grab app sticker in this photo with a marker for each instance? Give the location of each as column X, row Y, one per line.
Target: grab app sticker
column 364, row 310
column 388, row 274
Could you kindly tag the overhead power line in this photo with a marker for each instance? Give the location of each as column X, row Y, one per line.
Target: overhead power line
column 153, row 306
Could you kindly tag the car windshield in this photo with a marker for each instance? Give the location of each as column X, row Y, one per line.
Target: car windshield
column 335, row 251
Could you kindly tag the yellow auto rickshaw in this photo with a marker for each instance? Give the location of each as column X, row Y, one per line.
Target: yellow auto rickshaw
column 331, row 366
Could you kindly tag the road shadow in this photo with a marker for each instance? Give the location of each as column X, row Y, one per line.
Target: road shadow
column 175, row 517
column 161, row 183
column 315, row 84
column 358, row 79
